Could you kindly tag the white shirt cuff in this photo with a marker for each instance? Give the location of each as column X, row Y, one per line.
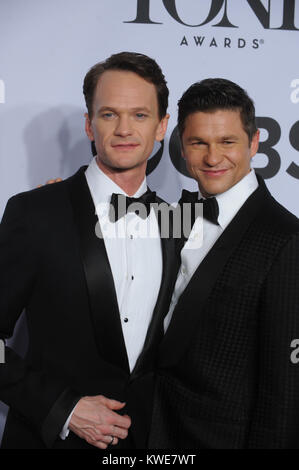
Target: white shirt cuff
column 65, row 430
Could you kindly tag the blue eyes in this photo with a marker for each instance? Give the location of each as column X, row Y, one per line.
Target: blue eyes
column 107, row 115
column 111, row 115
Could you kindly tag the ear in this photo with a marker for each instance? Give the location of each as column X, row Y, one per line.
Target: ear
column 88, row 127
column 254, row 143
column 162, row 128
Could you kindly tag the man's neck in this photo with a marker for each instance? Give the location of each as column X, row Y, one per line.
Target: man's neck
column 128, row 180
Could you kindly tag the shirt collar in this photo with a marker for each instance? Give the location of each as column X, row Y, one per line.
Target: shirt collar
column 102, row 187
column 231, row 201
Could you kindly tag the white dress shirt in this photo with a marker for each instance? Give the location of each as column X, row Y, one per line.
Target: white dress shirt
column 134, row 251
column 135, row 259
column 208, row 233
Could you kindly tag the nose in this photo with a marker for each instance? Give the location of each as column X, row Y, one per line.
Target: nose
column 213, row 155
column 124, row 126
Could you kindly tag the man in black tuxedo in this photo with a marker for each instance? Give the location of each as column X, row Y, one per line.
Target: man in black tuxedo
column 226, row 378
column 92, row 290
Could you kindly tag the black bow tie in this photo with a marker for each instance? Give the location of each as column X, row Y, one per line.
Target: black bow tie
column 210, row 205
column 120, row 205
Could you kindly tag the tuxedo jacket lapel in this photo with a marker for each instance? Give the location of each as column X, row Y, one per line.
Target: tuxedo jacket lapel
column 99, row 279
column 193, row 299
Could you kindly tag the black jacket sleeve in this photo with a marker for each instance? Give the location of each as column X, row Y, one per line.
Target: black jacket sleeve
column 43, row 402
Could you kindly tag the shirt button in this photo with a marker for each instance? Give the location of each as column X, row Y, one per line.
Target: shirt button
column 126, row 320
column 132, row 277
column 131, row 236
column 183, row 270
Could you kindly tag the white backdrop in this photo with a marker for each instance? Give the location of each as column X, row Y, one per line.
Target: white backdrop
column 47, row 46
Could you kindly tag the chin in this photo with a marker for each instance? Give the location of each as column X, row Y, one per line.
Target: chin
column 217, row 187
column 126, row 166
column 212, row 191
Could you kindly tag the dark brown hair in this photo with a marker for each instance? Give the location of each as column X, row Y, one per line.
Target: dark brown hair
column 212, row 94
column 140, row 64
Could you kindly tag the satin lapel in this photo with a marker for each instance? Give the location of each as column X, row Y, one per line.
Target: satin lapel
column 156, row 331
column 99, row 279
column 193, row 299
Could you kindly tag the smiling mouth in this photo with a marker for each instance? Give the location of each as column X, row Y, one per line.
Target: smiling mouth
column 215, row 173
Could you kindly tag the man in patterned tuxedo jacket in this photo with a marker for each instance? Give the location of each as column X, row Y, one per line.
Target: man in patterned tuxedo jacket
column 225, row 374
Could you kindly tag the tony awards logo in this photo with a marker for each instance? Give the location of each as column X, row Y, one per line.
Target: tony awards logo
column 262, row 13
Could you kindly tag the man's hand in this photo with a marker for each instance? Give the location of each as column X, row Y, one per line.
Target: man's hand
column 56, row 180
column 95, row 421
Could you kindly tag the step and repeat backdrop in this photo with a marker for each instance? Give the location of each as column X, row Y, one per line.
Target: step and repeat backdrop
column 47, row 46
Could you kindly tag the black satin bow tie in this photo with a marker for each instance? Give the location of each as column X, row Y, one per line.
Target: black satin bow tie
column 120, row 205
column 210, row 205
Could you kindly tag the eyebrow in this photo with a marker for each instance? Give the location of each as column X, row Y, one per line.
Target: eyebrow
column 230, row 137
column 201, row 139
column 115, row 110
column 194, row 137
